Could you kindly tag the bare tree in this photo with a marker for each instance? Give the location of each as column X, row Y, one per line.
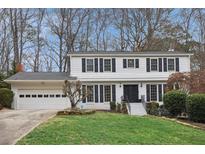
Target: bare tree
column 75, row 92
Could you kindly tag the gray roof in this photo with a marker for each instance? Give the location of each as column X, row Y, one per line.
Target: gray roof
column 41, row 76
column 130, row 53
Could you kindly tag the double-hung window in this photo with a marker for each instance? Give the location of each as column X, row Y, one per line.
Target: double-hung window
column 153, row 92
column 107, row 89
column 90, row 92
column 154, row 65
column 170, row 64
column 107, row 65
column 89, row 65
column 131, row 63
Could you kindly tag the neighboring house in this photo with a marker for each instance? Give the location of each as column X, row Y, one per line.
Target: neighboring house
column 110, row 76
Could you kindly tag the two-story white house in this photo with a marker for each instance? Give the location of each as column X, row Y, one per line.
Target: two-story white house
column 109, row 76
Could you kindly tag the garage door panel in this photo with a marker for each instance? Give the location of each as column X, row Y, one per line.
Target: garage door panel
column 42, row 99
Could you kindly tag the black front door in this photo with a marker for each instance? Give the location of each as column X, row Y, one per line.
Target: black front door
column 131, row 93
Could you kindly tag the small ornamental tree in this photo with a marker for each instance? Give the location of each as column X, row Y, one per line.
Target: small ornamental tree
column 189, row 82
column 74, row 91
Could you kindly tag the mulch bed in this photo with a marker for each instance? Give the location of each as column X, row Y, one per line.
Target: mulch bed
column 76, row 112
column 187, row 122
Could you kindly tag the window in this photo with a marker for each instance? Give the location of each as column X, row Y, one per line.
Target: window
column 45, row 96
column 153, row 64
column 21, row 96
column 107, row 65
column 58, row 95
column 90, row 92
column 28, row 96
column 89, row 65
column 131, row 63
column 63, row 96
column 33, row 96
column 51, row 96
column 107, row 90
column 171, row 64
column 153, row 92
column 40, row 96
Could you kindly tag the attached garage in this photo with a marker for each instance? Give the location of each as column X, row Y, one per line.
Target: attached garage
column 39, row 91
column 42, row 99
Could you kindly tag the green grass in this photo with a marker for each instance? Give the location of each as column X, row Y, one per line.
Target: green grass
column 111, row 128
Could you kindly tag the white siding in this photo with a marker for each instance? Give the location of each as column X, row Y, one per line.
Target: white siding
column 125, row 74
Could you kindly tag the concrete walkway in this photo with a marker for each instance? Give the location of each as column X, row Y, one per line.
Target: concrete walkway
column 16, row 123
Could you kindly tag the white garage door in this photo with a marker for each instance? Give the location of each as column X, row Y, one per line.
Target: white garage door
column 42, row 99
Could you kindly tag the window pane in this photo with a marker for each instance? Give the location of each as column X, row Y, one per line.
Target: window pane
column 107, row 93
column 21, row 96
column 46, row 96
column 34, row 96
column 107, row 65
column 52, row 95
column 153, row 92
column 58, row 96
column 131, row 63
column 28, row 96
column 90, row 65
column 90, row 92
column 154, row 64
column 171, row 64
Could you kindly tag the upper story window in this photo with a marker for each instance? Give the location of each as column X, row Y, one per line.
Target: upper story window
column 130, row 63
column 107, row 65
column 170, row 64
column 154, row 65
column 90, row 65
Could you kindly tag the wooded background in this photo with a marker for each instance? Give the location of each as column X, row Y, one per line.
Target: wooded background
column 40, row 38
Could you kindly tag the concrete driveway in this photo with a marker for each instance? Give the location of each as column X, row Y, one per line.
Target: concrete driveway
column 16, row 123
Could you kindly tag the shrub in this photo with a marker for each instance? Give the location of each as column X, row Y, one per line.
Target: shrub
column 124, row 108
column 119, row 107
column 6, row 97
column 196, row 107
column 75, row 112
column 152, row 108
column 175, row 102
column 113, row 106
column 4, row 85
column 163, row 111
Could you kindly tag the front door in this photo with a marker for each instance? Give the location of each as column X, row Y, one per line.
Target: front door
column 131, row 93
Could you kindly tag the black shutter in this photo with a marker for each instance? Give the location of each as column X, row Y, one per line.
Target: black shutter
column 84, row 91
column 83, row 65
column 160, row 92
column 124, row 63
column 148, row 64
column 96, row 64
column 101, row 93
column 160, row 64
column 136, row 63
column 165, row 64
column 148, row 92
column 177, row 64
column 113, row 93
column 113, row 65
column 101, row 64
column 96, row 93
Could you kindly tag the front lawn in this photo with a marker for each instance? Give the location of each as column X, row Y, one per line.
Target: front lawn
column 111, row 128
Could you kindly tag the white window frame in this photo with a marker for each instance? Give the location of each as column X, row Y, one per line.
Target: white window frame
column 104, row 64
column 151, row 65
column 168, row 64
column 88, row 96
column 157, row 92
column 128, row 63
column 110, row 93
column 87, row 65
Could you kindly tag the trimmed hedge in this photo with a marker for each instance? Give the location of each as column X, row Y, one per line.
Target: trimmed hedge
column 196, row 107
column 152, row 108
column 4, row 85
column 175, row 102
column 6, row 97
